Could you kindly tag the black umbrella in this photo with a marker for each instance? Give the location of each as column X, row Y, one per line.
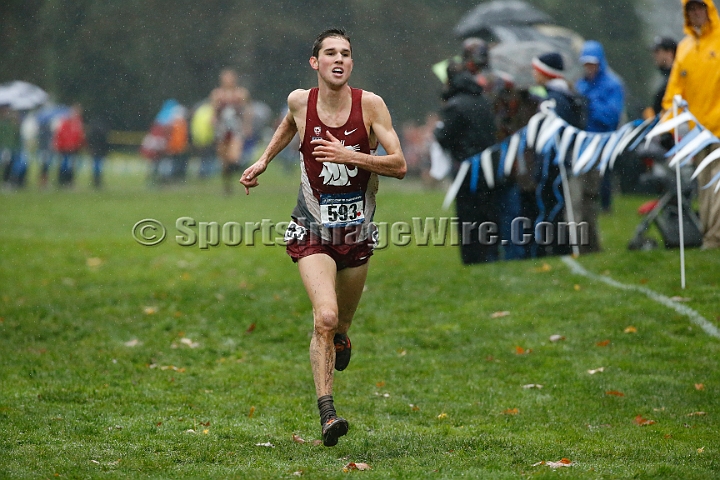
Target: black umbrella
column 481, row 19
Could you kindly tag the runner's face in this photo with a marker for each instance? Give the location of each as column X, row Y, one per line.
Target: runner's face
column 334, row 62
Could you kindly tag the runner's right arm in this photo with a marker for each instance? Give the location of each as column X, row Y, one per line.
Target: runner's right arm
column 280, row 139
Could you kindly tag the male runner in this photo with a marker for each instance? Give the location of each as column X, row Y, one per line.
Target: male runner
column 330, row 236
column 230, row 104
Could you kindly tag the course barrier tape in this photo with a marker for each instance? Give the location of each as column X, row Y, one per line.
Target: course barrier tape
column 694, row 316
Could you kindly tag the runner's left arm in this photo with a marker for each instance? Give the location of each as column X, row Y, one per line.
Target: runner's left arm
column 390, row 165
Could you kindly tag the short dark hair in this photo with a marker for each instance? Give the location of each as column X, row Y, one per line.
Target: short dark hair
column 331, row 32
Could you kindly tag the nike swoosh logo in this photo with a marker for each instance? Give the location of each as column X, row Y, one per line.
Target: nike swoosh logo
column 350, row 132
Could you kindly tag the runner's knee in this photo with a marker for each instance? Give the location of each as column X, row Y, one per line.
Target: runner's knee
column 326, row 321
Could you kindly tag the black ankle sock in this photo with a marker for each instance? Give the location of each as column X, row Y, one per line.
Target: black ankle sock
column 327, row 409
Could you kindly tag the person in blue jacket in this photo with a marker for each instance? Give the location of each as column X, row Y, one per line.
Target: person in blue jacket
column 606, row 100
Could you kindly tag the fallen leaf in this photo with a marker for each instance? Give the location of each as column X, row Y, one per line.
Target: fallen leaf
column 442, row 415
column 595, row 427
column 639, row 420
column 556, row 338
column 696, row 414
column 597, row 370
column 316, row 443
column 680, row 299
column 94, row 262
column 185, row 276
column 563, row 462
column 489, row 358
column 604, row 343
column 356, row 466
column 701, row 450
column 190, row 430
column 500, row 314
column 150, row 310
column 298, row 473
column 532, row 385
column 643, row 281
column 251, row 328
column 615, row 393
column 132, row 343
column 266, row 444
column 380, row 384
column 414, row 408
column 206, row 431
column 402, row 352
column 95, row 462
column 699, row 386
column 544, row 268
column 189, row 343
column 511, row 411
column 521, row 351
column 297, row 439
column 667, row 435
column 171, row 367
column 630, row 329
column 577, row 287
column 252, row 412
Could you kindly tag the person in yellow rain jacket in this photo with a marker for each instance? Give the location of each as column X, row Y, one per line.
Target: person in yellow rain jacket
column 695, row 76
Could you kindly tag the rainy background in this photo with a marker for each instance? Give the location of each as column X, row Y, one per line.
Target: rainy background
column 124, row 59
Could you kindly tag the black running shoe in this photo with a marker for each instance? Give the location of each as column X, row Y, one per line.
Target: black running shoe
column 342, row 351
column 334, row 429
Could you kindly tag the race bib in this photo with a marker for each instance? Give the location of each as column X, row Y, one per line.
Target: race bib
column 341, row 209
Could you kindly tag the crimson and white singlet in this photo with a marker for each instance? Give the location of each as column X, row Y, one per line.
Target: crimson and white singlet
column 335, row 198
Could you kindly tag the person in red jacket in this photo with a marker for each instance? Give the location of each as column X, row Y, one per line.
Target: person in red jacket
column 69, row 140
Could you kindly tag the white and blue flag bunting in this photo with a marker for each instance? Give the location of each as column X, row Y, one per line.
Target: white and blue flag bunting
column 582, row 151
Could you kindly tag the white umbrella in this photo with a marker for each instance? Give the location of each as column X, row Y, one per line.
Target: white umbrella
column 21, row 95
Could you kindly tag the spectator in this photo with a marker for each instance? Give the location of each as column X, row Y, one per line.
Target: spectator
column 695, row 76
column 549, row 74
column 202, row 134
column 10, row 143
column 606, row 99
column 98, row 146
column 69, row 140
column 467, row 127
column 664, row 56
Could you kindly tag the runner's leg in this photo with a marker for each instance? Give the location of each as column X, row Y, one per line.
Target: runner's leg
column 349, row 288
column 319, row 273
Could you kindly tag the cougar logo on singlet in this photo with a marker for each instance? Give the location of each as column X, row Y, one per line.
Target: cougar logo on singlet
column 337, row 175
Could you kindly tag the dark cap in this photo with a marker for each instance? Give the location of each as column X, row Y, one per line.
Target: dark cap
column 664, row 43
column 476, row 51
column 550, row 64
column 687, row 4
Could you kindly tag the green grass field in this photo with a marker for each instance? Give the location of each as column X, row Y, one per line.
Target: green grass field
column 122, row 361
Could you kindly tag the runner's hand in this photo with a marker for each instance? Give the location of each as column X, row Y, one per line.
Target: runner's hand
column 249, row 176
column 331, row 150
